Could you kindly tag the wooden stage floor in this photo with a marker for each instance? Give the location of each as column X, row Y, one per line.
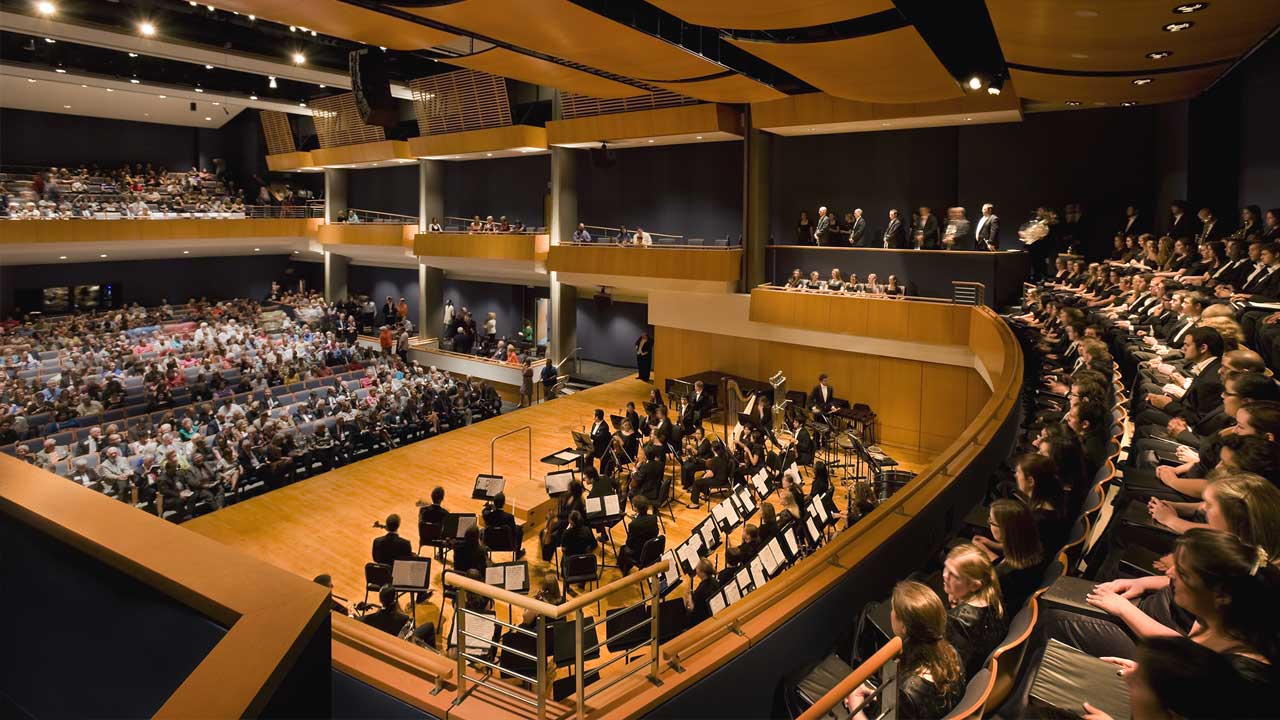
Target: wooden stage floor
column 324, row 524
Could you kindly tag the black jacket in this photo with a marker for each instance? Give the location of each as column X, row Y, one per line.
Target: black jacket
column 391, row 547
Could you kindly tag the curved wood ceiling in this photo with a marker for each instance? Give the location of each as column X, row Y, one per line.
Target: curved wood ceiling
column 504, row 62
column 732, row 88
column 770, row 14
column 339, row 19
column 889, row 67
column 1109, row 90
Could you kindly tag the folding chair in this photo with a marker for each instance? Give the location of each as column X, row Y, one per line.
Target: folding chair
column 505, row 538
column 976, row 693
column 582, row 569
column 375, row 576
column 1007, row 657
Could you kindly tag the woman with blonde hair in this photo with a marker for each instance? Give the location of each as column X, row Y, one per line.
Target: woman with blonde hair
column 929, row 681
column 975, row 617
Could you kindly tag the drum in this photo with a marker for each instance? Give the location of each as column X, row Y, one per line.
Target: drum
column 890, row 481
column 845, row 442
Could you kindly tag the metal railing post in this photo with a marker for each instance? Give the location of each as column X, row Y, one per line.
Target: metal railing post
column 460, row 622
column 577, row 661
column 655, row 640
column 541, row 690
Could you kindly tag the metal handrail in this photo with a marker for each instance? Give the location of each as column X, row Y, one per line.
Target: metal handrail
column 493, row 445
column 851, row 682
column 251, row 212
column 680, row 246
column 378, row 216
column 528, row 230
column 618, row 229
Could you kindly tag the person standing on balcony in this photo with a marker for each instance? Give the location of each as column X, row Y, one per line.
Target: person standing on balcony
column 435, row 225
column 581, row 235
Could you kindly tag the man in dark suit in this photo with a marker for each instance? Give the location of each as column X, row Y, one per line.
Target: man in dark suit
column 924, row 230
column 696, row 461
column 959, row 233
column 895, row 236
column 702, row 400
column 647, row 479
column 599, row 435
column 1181, row 225
column 388, row 618
column 91, row 445
column 1210, row 228
column 858, row 229
column 1132, row 226
column 435, row 512
column 495, row 514
column 822, row 397
column 987, row 232
column 1202, row 350
column 823, row 228
column 391, row 547
column 642, row 529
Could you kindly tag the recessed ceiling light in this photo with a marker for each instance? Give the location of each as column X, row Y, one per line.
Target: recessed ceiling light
column 162, row 97
column 50, row 40
column 31, row 79
column 1079, row 56
column 217, row 103
column 1086, row 13
column 650, row 141
column 302, row 104
column 271, row 81
column 699, row 137
column 210, row 7
column 257, row 249
column 1189, row 8
column 199, row 90
column 967, row 119
column 884, row 124
column 147, row 28
column 110, row 89
column 313, row 33
column 66, row 107
column 322, row 85
column 1142, row 81
column 253, row 18
column 208, row 118
column 1159, row 54
column 1073, row 103
column 62, row 257
column 46, row 8
column 299, row 58
column 133, row 54
column 186, row 252
column 975, row 82
column 488, row 154
column 103, row 255
column 60, row 70
column 383, row 49
column 208, row 66
column 83, row 85
column 1179, row 26
column 295, row 252
column 135, row 81
column 1128, row 103
column 193, row 3
column 253, row 97
column 293, row 29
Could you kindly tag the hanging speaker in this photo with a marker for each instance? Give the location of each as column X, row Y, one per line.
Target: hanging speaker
column 372, row 89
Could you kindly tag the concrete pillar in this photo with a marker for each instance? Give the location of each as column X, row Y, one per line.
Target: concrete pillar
column 564, row 320
column 755, row 204
column 430, row 193
column 335, row 194
column 335, row 276
column 430, row 301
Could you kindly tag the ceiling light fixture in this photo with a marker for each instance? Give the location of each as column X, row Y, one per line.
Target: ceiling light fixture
column 210, row 7
column 102, row 255
column 83, row 85
column 1142, row 81
column 997, row 85
column 186, row 252
column 133, row 54
column 193, row 3
column 110, row 89
column 217, row 103
column 62, row 257
column 488, row 154
column 208, row 118
column 299, row 58
column 1073, row 103
column 253, row 18
column 302, row 104
column 271, row 81
column 1189, row 8
column 31, row 79
column 147, row 28
column 1159, row 54
column 313, row 33
column 257, row 249
column 1179, row 26
column 46, row 8
column 60, row 70
column 975, row 82
column 66, row 107
column 322, row 85
column 135, row 81
column 1128, row 103
column 253, row 97
column 199, row 90
column 208, row 67
column 293, row 29
column 50, row 40
column 162, row 97
column 650, row 141
column 699, row 137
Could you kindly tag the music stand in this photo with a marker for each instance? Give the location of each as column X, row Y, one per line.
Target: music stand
column 456, row 526
column 709, row 532
column 557, row 483
column 582, row 443
column 411, row 576
column 487, row 486
column 616, row 422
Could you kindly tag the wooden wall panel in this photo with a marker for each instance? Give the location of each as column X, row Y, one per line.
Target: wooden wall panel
column 888, row 319
column 900, row 405
column 943, row 392
column 662, row 262
column 937, row 322
column 976, row 395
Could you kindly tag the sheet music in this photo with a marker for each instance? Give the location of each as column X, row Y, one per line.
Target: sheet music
column 748, row 503
column 612, row 505
column 514, row 580
column 731, row 514
column 761, row 481
column 557, row 482
column 814, row 534
column 731, row 593
column 493, row 575
column 770, row 558
column 717, row 603
column 821, row 508
column 465, row 523
column 567, row 456
column 410, row 573
column 708, row 531
column 689, row 554
column 594, row 505
column 482, row 483
column 480, row 625
column 743, row 578
column 718, row 513
column 757, row 570
column 790, row 537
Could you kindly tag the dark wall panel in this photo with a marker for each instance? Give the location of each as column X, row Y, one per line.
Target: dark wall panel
column 379, row 282
column 1102, row 158
column 875, row 171
column 691, row 190
column 512, row 303
column 147, row 282
column 393, row 189
column 1260, row 106
column 515, row 187
column 608, row 334
column 36, row 138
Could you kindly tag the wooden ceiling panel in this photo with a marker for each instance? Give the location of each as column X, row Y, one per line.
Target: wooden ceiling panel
column 562, row 29
column 1116, row 35
column 727, row 89
column 339, row 19
column 500, row 61
column 770, row 15
column 1091, row 91
column 890, row 67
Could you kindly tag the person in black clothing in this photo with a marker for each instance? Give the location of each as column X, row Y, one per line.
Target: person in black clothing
column 549, row 377
column 388, row 618
column 495, row 514
column 695, row 459
column 930, row 676
column 469, row 554
column 643, row 528
column 324, row 580
column 644, row 356
column 435, row 512
column 570, row 502
column 698, row 602
column 1013, row 526
column 975, row 619
column 716, row 474
column 647, row 478
column 768, row 523
column 599, row 435
column 577, row 539
column 805, row 447
column 391, row 547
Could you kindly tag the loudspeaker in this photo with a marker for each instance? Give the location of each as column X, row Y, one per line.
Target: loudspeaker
column 372, row 89
column 604, row 157
column 603, row 301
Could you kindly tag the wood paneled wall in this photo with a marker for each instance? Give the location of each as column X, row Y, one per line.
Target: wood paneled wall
column 95, row 231
column 672, row 263
column 919, row 404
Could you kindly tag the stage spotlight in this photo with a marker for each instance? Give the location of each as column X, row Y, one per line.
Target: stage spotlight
column 147, row 28
column 975, row 82
column 46, row 8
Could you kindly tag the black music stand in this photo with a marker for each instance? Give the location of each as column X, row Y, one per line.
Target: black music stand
column 557, row 482
column 487, row 487
column 456, row 526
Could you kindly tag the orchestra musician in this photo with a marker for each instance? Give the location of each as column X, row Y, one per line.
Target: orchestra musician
column 836, row 282
column 689, row 418
column 815, row 282
column 630, row 441
column 632, row 417
column 804, row 447
column 702, row 400
column 796, row 280
column 647, row 478
column 615, row 457
column 822, row 399
column 751, row 455
column 696, row 455
column 599, row 435
column 663, row 432
column 716, row 474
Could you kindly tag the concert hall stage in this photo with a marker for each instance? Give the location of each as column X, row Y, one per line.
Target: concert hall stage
column 324, row 524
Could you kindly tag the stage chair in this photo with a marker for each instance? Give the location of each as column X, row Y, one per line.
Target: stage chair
column 652, row 551
column 1007, row 657
column 502, row 539
column 666, row 498
column 972, row 705
column 431, row 535
column 1075, row 544
column 581, row 569
column 375, row 576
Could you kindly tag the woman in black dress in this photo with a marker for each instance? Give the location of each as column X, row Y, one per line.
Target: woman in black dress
column 644, row 356
column 975, row 619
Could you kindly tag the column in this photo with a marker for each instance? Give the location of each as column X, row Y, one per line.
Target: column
column 564, row 320
column 430, row 279
column 755, row 204
column 563, row 220
column 335, row 276
column 335, row 194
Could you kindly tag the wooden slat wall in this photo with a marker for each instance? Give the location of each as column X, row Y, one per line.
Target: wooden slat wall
column 573, row 105
column 338, row 122
column 460, row 100
column 275, row 126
